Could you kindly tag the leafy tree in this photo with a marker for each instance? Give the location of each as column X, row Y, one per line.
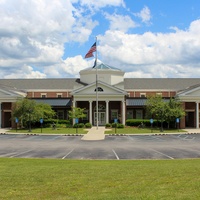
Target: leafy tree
column 174, row 111
column 27, row 110
column 157, row 108
column 163, row 110
column 44, row 111
column 77, row 113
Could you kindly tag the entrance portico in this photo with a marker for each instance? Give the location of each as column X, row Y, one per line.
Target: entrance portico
column 103, row 85
column 191, row 99
column 108, row 110
column 8, row 96
column 111, row 103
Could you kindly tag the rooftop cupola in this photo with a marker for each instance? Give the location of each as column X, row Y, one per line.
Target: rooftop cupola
column 106, row 73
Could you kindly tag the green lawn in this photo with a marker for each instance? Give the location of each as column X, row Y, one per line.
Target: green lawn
column 135, row 130
column 52, row 131
column 126, row 130
column 33, row 179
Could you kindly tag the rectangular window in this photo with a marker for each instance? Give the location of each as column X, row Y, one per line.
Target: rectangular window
column 43, row 95
column 129, row 114
column 59, row 95
column 60, row 114
column 114, row 114
column 142, row 95
column 139, row 114
column 86, row 115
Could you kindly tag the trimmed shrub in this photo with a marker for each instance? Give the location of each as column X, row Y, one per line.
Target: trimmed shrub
column 120, row 125
column 108, row 125
column 80, row 125
column 137, row 122
column 114, row 125
column 68, row 125
column 88, row 125
column 75, row 126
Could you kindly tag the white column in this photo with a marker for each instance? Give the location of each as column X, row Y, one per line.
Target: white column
column 74, row 105
column 90, row 112
column 0, row 116
column 107, row 112
column 197, row 114
column 123, row 112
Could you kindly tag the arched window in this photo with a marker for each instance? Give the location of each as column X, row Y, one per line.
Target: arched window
column 101, row 108
column 99, row 89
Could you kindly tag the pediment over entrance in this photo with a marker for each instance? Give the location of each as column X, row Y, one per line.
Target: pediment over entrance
column 103, row 89
column 192, row 93
column 10, row 94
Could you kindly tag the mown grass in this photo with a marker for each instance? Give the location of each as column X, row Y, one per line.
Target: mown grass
column 126, row 130
column 22, row 179
column 135, row 130
column 51, row 131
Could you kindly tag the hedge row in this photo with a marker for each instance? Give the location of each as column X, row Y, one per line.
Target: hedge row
column 114, row 125
column 137, row 122
column 146, row 122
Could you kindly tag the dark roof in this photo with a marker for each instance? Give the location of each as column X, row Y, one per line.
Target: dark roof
column 159, row 83
column 55, row 102
column 173, row 84
column 138, row 102
column 48, row 84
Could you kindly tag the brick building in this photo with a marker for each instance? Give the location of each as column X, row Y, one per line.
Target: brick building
column 117, row 97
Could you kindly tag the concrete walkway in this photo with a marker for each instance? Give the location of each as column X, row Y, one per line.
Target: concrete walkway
column 95, row 134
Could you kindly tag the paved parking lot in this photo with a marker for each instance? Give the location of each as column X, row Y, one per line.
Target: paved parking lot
column 176, row 146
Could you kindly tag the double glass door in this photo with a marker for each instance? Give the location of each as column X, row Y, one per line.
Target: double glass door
column 101, row 118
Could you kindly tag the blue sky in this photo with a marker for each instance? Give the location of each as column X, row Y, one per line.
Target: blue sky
column 144, row 38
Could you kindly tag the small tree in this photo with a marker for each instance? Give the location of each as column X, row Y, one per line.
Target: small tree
column 27, row 111
column 164, row 111
column 77, row 113
column 157, row 108
column 175, row 110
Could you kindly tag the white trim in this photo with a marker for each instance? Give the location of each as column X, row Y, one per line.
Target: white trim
column 43, row 94
column 100, row 84
column 143, row 94
column 197, row 114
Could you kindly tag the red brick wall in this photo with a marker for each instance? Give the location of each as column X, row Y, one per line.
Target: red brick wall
column 48, row 94
column 137, row 94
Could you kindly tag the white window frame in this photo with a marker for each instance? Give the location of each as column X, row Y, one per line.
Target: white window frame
column 59, row 95
column 62, row 115
column 86, row 115
column 131, row 113
column 139, row 114
column 116, row 115
column 142, row 94
column 43, row 95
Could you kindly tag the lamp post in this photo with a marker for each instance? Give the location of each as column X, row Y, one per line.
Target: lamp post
column 29, row 118
column 162, row 113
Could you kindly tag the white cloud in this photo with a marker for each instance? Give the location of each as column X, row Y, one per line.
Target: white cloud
column 69, row 67
column 25, row 72
column 102, row 3
column 33, row 33
column 144, row 14
column 159, row 54
column 120, row 22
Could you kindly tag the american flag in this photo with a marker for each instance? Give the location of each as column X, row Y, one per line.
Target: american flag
column 90, row 52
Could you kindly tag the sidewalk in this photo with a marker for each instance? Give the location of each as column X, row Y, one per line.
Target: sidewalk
column 95, row 134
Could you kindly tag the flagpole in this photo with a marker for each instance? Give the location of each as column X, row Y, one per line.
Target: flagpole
column 97, row 106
